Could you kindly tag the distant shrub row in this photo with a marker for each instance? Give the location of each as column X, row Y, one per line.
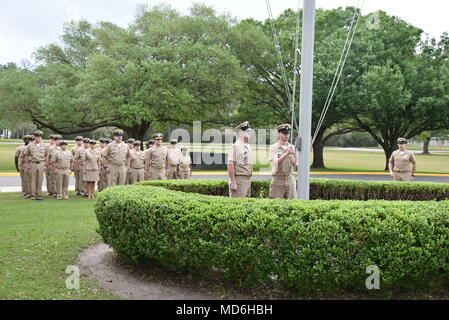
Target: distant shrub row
column 323, row 189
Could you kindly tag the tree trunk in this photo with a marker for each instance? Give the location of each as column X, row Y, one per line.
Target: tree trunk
column 425, row 149
column 318, row 152
column 388, row 152
column 137, row 132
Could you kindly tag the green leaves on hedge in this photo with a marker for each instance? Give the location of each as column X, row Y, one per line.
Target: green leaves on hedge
column 307, row 245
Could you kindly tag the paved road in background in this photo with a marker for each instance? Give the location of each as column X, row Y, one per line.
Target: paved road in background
column 12, row 183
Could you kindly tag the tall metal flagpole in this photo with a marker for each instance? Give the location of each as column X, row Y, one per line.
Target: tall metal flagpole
column 305, row 104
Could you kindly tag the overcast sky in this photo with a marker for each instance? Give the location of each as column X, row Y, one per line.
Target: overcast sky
column 28, row 24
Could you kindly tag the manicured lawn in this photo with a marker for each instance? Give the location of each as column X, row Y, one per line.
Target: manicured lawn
column 39, row 239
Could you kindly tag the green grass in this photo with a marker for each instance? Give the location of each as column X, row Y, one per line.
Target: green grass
column 39, row 239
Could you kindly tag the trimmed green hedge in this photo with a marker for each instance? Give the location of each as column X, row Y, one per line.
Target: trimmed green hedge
column 323, row 189
column 307, row 245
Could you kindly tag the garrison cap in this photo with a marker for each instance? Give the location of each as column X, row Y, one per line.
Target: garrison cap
column 136, row 143
column 38, row 133
column 244, row 126
column 25, row 138
column 174, row 141
column 78, row 138
column 117, row 132
column 31, row 137
column 57, row 137
column 102, row 140
column 157, row 136
column 151, row 141
column 130, row 140
column 284, row 128
column 92, row 141
column 402, row 141
column 62, row 142
column 51, row 136
column 86, row 140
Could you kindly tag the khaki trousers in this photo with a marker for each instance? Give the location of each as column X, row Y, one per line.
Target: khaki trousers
column 79, row 182
column 243, row 187
column 172, row 174
column 53, row 179
column 283, row 187
column 402, row 176
column 36, row 176
column 49, row 178
column 23, row 182
column 128, row 178
column 62, row 183
column 116, row 175
column 136, row 175
column 184, row 174
column 157, row 174
column 27, row 181
column 103, row 182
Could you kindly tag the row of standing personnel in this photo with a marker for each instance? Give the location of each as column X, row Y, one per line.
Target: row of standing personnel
column 282, row 156
column 115, row 163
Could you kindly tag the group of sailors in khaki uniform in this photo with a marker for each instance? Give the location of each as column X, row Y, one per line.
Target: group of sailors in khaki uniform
column 282, row 156
column 119, row 163
column 114, row 163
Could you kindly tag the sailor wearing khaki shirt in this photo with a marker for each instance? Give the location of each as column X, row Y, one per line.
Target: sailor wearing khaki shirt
column 173, row 158
column 148, row 146
column 91, row 168
column 185, row 165
column 35, row 155
column 136, row 163
column 402, row 163
column 103, row 182
column 63, row 163
column 19, row 165
column 117, row 154
column 156, row 159
column 79, row 161
column 26, row 170
column 283, row 162
column 51, row 170
column 240, row 163
column 76, row 170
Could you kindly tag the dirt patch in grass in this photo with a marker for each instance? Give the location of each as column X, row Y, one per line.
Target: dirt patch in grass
column 154, row 282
